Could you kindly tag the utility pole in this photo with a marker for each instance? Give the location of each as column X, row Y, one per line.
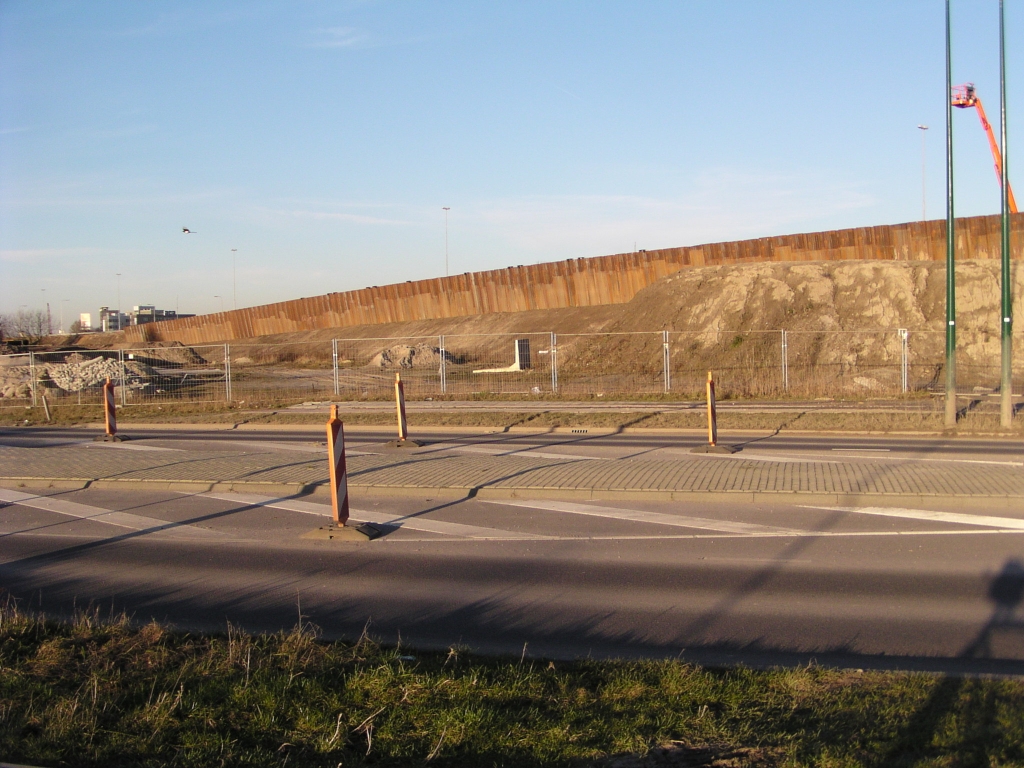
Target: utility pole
column 446, row 240
column 1006, row 378
column 234, row 281
column 950, row 244
column 924, row 186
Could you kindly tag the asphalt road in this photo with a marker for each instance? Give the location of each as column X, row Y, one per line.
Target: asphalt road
column 763, row 584
column 593, row 442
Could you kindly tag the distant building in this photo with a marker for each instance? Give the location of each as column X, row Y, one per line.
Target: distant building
column 112, row 320
column 147, row 313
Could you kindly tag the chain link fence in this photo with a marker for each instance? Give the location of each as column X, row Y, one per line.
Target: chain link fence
column 767, row 363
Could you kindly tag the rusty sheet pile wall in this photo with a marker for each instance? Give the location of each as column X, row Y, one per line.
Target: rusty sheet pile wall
column 575, row 283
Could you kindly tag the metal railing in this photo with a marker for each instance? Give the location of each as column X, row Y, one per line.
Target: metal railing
column 763, row 363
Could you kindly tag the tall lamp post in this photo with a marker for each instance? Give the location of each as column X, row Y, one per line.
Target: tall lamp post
column 234, row 281
column 62, row 303
column 950, row 245
column 924, row 186
column 218, row 296
column 118, row 301
column 446, row 240
column 1006, row 378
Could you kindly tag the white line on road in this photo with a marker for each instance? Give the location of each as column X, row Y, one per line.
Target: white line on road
column 504, row 451
column 127, row 446
column 988, row 521
column 365, row 516
column 100, row 515
column 640, row 516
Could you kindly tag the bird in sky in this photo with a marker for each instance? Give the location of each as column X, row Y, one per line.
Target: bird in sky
column 187, row 231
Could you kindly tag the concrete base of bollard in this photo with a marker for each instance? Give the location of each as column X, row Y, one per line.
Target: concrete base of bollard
column 404, row 444
column 715, row 449
column 356, row 533
column 109, row 439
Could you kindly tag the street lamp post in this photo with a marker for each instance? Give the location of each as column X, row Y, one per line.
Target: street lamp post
column 950, row 245
column 221, row 301
column 234, row 281
column 118, row 301
column 924, row 187
column 446, row 240
column 62, row 303
column 1006, row 377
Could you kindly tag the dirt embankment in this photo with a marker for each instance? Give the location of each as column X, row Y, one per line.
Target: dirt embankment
column 843, row 314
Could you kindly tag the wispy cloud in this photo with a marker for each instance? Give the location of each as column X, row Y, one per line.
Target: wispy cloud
column 355, row 218
column 339, row 37
column 10, row 131
column 718, row 207
column 35, row 255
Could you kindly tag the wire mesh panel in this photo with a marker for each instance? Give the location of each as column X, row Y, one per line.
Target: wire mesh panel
column 748, row 364
column 501, row 364
column 16, row 380
column 366, row 367
column 978, row 361
column 599, row 364
column 274, row 373
column 845, row 363
column 158, row 374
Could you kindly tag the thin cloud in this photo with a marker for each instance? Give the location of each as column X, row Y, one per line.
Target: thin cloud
column 355, row 218
column 33, row 255
column 339, row 37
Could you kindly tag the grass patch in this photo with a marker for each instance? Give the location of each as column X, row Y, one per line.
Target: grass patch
column 94, row 693
column 972, row 422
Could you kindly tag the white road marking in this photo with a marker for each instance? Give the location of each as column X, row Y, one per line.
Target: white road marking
column 100, row 515
column 300, row 447
column 127, row 446
column 988, row 521
column 410, row 522
column 502, row 451
column 866, row 450
column 640, row 516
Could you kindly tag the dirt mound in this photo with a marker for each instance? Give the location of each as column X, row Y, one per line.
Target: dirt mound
column 406, row 356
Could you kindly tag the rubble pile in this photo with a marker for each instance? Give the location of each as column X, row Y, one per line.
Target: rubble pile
column 405, row 356
column 74, row 374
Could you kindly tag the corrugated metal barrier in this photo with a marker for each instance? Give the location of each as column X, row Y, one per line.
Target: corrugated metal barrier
column 575, row 283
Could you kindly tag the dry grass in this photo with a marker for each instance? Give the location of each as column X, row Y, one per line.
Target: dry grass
column 105, row 693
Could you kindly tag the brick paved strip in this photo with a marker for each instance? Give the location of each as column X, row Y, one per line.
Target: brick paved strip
column 519, row 472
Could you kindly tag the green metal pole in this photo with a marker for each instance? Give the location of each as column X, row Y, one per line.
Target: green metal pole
column 950, row 245
column 1006, row 380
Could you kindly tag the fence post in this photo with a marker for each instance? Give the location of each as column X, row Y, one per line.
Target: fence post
column 785, row 361
column 904, row 358
column 443, row 369
column 227, row 372
column 554, row 362
column 334, row 358
column 666, row 361
column 124, row 378
column 32, row 374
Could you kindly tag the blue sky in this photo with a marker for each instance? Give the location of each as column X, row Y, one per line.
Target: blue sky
column 322, row 139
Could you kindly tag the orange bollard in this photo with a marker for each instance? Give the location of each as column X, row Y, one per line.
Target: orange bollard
column 712, row 413
column 339, row 472
column 403, row 424
column 109, row 410
column 713, row 446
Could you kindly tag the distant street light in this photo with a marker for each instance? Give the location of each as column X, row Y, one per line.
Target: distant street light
column 234, row 281
column 446, row 240
column 221, row 302
column 924, row 207
column 62, row 303
column 119, row 301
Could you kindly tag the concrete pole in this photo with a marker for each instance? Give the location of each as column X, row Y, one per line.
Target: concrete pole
column 1006, row 379
column 950, row 245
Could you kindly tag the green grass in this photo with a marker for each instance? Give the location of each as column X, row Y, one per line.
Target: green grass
column 93, row 693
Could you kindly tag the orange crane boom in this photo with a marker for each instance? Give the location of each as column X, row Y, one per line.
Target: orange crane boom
column 964, row 96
